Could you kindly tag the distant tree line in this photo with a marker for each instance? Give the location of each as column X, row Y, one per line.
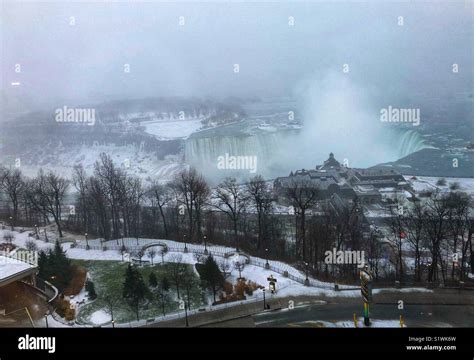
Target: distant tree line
column 109, row 203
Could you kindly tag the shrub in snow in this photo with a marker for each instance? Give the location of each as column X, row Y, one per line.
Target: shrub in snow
column 441, row 182
column 30, row 245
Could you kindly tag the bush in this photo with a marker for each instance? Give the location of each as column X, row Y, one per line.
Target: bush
column 77, row 282
column 239, row 288
column 64, row 309
column 228, row 288
column 30, row 245
column 454, row 186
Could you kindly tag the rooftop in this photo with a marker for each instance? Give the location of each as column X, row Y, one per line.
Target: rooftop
column 10, row 268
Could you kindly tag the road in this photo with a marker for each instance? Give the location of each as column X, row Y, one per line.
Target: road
column 442, row 308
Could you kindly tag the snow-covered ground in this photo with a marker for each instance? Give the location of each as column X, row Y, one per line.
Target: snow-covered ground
column 426, row 183
column 258, row 274
column 172, row 129
column 10, row 267
column 374, row 323
column 100, row 317
column 133, row 159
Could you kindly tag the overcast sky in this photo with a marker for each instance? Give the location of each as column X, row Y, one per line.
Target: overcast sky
column 86, row 61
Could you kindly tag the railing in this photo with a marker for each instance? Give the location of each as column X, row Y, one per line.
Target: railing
column 181, row 314
column 219, row 251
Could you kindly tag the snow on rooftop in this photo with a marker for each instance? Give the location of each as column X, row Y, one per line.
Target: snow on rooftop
column 10, row 267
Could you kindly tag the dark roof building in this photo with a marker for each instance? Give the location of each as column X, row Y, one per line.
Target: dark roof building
column 333, row 178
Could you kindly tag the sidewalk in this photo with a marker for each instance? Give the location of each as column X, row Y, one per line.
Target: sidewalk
column 222, row 315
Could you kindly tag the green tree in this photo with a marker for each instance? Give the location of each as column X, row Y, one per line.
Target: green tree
column 90, row 288
column 135, row 290
column 55, row 267
column 162, row 292
column 211, row 276
column 43, row 266
column 152, row 280
column 165, row 284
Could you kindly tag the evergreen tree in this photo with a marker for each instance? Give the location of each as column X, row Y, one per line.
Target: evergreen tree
column 61, row 266
column 135, row 290
column 43, row 265
column 152, row 280
column 211, row 276
column 165, row 284
column 54, row 266
column 90, row 288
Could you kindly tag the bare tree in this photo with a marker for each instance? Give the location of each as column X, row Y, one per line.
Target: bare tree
column 111, row 303
column 413, row 222
column 47, row 193
column 159, row 196
column 231, row 199
column 177, row 271
column 458, row 224
column 397, row 234
column 79, row 180
column 436, row 228
column 224, row 267
column 110, row 177
column 302, row 195
column 98, row 203
column 151, row 253
column 12, row 183
column 259, row 194
column 191, row 191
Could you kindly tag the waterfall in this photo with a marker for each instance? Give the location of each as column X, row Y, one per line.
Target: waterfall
column 407, row 142
column 202, row 152
column 279, row 152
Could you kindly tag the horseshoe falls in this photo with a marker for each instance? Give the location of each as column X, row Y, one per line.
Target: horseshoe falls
column 279, row 152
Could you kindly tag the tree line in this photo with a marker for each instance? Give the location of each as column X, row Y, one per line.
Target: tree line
column 110, row 203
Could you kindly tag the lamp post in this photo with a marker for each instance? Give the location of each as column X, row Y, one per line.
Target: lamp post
column 186, row 313
column 264, row 305
column 36, row 232
column 87, row 242
column 205, row 245
column 113, row 324
column 267, row 265
column 237, row 264
column 11, row 222
column 306, row 282
column 185, row 244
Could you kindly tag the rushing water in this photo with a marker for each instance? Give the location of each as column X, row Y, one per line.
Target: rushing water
column 281, row 151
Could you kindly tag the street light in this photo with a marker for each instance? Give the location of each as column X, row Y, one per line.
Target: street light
column 87, row 242
column 11, row 222
column 264, row 305
column 113, row 324
column 185, row 245
column 237, row 264
column 205, row 245
column 306, row 282
column 267, row 265
column 36, row 232
column 186, row 313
